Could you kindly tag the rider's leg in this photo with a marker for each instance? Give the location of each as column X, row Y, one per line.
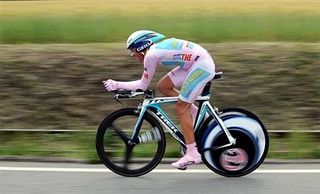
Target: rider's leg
column 169, row 83
column 185, row 119
column 198, row 76
column 192, row 155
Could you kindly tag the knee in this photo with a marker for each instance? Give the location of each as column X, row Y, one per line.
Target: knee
column 163, row 86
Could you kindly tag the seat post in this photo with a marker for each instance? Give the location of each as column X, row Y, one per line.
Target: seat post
column 206, row 89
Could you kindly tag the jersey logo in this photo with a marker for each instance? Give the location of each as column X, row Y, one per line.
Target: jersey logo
column 146, row 75
column 144, row 46
column 189, row 45
column 174, row 44
column 182, row 57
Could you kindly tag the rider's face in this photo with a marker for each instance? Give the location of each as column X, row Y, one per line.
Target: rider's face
column 137, row 55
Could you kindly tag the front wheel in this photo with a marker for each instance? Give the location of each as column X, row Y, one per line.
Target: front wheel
column 122, row 157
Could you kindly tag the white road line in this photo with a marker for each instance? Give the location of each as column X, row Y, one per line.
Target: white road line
column 94, row 170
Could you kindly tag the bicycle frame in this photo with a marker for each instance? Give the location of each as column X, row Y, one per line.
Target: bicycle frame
column 212, row 130
column 153, row 104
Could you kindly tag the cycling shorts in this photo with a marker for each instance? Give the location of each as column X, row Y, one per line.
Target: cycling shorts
column 192, row 81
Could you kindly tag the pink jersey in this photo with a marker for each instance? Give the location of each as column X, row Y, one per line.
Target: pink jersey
column 170, row 52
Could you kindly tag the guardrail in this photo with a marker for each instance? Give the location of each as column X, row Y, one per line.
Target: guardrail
column 91, row 130
column 47, row 130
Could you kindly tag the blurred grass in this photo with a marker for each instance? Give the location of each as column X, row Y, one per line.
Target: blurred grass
column 154, row 7
column 200, row 21
column 294, row 146
column 58, row 86
column 74, row 145
column 61, row 145
column 81, row 145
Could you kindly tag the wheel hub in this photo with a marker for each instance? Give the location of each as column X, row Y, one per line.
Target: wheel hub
column 234, row 159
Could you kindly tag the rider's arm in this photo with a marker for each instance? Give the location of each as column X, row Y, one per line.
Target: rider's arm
column 150, row 65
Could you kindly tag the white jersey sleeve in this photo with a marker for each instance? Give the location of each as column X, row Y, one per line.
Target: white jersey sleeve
column 150, row 66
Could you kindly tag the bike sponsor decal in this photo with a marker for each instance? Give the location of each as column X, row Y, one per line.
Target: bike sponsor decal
column 167, row 122
column 155, row 101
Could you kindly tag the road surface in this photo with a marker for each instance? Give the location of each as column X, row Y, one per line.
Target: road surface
column 36, row 177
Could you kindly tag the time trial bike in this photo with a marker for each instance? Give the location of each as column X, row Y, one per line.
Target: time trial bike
column 131, row 142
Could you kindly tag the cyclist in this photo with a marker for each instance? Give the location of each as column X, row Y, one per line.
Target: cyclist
column 195, row 68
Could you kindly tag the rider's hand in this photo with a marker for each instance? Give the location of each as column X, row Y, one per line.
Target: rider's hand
column 110, row 85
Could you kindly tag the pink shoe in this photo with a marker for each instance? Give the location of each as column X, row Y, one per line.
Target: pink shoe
column 186, row 160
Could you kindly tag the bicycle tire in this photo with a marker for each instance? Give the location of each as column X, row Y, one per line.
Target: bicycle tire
column 237, row 133
column 115, row 153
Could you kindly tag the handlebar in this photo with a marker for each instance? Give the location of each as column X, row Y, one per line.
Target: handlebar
column 121, row 94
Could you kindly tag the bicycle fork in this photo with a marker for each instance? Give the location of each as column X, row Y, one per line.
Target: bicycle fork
column 147, row 136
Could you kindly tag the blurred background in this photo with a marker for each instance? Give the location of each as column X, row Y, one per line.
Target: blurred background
column 54, row 55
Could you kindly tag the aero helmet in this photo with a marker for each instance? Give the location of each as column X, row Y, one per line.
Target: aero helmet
column 143, row 39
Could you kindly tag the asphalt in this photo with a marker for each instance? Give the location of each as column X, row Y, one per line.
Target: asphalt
column 164, row 160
